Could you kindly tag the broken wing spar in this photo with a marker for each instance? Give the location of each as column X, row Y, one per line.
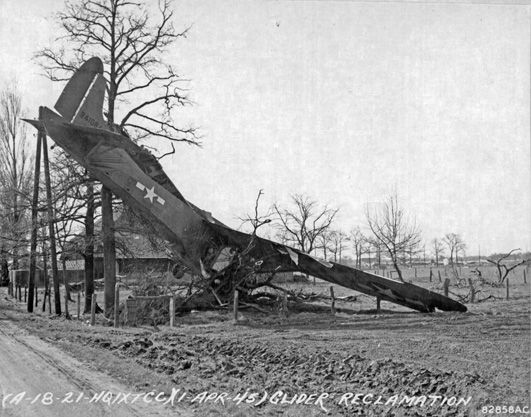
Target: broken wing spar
column 195, row 237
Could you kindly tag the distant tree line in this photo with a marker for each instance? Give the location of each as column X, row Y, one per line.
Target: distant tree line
column 392, row 237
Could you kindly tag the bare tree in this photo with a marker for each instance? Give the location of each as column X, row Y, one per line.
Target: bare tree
column 503, row 269
column 413, row 252
column 75, row 202
column 371, row 249
column 305, row 222
column 438, row 249
column 394, row 229
column 15, row 178
column 359, row 244
column 257, row 220
column 333, row 242
column 378, row 248
column 454, row 243
column 131, row 45
column 324, row 243
column 338, row 242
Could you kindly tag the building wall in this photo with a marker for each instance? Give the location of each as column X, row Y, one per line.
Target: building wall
column 126, row 266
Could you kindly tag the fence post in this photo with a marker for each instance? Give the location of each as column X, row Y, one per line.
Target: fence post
column 525, row 277
column 172, row 310
column 79, row 305
column 25, row 292
column 446, row 285
column 472, row 291
column 285, row 312
column 333, row 306
column 439, row 273
column 93, row 310
column 116, row 304
column 67, row 314
column 378, row 300
column 507, row 287
column 235, row 306
column 431, row 275
column 415, row 273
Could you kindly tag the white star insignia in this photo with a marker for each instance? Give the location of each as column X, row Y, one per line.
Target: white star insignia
column 150, row 193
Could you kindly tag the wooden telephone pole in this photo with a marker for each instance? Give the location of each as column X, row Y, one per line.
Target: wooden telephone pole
column 41, row 142
column 34, row 221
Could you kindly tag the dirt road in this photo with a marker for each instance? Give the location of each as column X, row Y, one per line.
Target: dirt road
column 481, row 356
column 37, row 379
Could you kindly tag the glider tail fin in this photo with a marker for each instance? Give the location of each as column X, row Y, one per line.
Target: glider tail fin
column 81, row 101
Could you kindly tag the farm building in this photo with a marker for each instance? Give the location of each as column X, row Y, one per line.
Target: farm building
column 137, row 249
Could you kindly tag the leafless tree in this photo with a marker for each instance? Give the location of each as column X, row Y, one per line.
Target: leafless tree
column 15, row 178
column 378, row 248
column 257, row 220
column 76, row 202
column 333, row 242
column 139, row 84
column 454, row 243
column 324, row 242
column 131, row 45
column 394, row 229
column 305, row 222
column 438, row 249
column 338, row 243
column 372, row 249
column 411, row 253
column 359, row 244
column 501, row 266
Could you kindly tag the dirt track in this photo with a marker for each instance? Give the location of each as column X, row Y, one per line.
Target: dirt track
column 31, row 368
column 482, row 355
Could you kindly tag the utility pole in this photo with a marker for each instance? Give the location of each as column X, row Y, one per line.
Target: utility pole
column 34, row 214
column 51, row 227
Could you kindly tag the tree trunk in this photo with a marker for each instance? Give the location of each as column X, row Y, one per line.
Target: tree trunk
column 109, row 244
column 16, row 213
column 398, row 271
column 51, row 228
column 89, row 248
column 109, row 250
column 65, row 281
column 4, row 274
column 46, row 280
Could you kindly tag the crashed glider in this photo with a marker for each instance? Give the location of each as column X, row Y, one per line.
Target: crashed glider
column 196, row 239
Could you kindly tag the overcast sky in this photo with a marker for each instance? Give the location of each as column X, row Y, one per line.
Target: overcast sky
column 345, row 102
